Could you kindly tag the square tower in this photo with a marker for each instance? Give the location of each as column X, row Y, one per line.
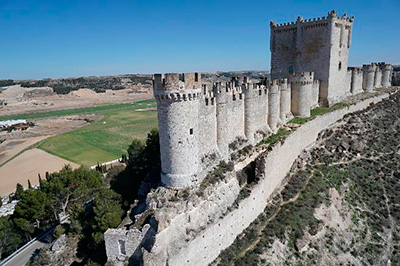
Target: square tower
column 319, row 45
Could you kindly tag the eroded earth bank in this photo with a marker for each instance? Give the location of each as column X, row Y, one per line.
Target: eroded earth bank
column 341, row 201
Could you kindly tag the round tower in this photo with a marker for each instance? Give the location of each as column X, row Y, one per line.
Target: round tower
column 285, row 94
column 178, row 114
column 386, row 74
column 274, row 106
column 302, row 85
column 378, row 77
column 368, row 77
column 255, row 111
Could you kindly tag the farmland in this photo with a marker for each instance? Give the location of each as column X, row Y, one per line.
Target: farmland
column 105, row 139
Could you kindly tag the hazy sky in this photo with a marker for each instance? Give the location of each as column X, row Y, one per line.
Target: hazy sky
column 66, row 38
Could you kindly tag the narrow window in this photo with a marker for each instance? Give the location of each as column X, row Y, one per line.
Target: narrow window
column 259, row 92
column 207, row 101
column 240, row 96
column 121, row 244
column 340, row 65
column 191, row 131
column 234, row 97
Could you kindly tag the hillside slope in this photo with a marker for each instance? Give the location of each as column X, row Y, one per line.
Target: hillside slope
column 340, row 204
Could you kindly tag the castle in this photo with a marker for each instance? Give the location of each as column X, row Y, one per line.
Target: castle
column 199, row 126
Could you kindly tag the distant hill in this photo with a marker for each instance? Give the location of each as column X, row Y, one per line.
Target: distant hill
column 118, row 82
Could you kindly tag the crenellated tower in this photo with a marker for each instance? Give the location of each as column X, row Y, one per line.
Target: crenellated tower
column 386, row 75
column 368, row 77
column 320, row 45
column 178, row 122
column 302, row 85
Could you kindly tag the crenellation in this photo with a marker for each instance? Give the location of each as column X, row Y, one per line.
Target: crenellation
column 200, row 126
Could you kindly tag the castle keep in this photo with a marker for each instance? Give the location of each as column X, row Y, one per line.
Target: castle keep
column 319, row 45
column 201, row 125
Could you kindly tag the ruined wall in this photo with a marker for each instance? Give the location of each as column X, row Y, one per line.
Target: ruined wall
column 221, row 233
column 122, row 244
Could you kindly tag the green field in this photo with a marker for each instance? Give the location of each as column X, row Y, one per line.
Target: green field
column 103, row 140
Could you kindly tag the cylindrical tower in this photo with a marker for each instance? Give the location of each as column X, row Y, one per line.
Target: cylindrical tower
column 285, row 94
column 356, row 80
column 386, row 74
column 178, row 114
column 368, row 77
column 273, row 106
column 302, row 84
column 378, row 77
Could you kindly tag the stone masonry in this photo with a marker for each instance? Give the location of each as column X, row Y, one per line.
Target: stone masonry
column 201, row 126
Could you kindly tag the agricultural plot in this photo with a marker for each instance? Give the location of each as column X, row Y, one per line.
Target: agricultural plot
column 106, row 139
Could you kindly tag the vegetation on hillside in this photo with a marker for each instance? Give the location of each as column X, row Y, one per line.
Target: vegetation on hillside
column 84, row 197
column 98, row 84
column 351, row 178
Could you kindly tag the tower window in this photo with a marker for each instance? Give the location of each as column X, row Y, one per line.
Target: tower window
column 340, row 65
column 121, row 244
column 191, row 131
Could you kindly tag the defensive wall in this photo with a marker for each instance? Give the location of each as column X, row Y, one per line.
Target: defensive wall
column 200, row 126
column 194, row 232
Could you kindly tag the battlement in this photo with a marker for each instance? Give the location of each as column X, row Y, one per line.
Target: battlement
column 310, row 23
column 356, row 69
column 369, row 68
column 302, row 78
column 176, row 82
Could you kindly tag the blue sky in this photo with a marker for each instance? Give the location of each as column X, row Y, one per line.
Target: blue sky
column 67, row 38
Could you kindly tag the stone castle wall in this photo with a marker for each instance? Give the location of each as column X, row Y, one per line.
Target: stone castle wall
column 173, row 245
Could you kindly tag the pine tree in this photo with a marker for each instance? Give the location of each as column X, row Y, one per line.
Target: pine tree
column 18, row 191
column 29, row 184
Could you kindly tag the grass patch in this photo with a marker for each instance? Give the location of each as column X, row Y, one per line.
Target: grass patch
column 273, row 139
column 318, row 111
column 106, row 139
column 323, row 110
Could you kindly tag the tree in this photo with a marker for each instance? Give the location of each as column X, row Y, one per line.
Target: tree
column 143, row 162
column 68, row 186
column 31, row 211
column 29, row 184
column 9, row 239
column 18, row 191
